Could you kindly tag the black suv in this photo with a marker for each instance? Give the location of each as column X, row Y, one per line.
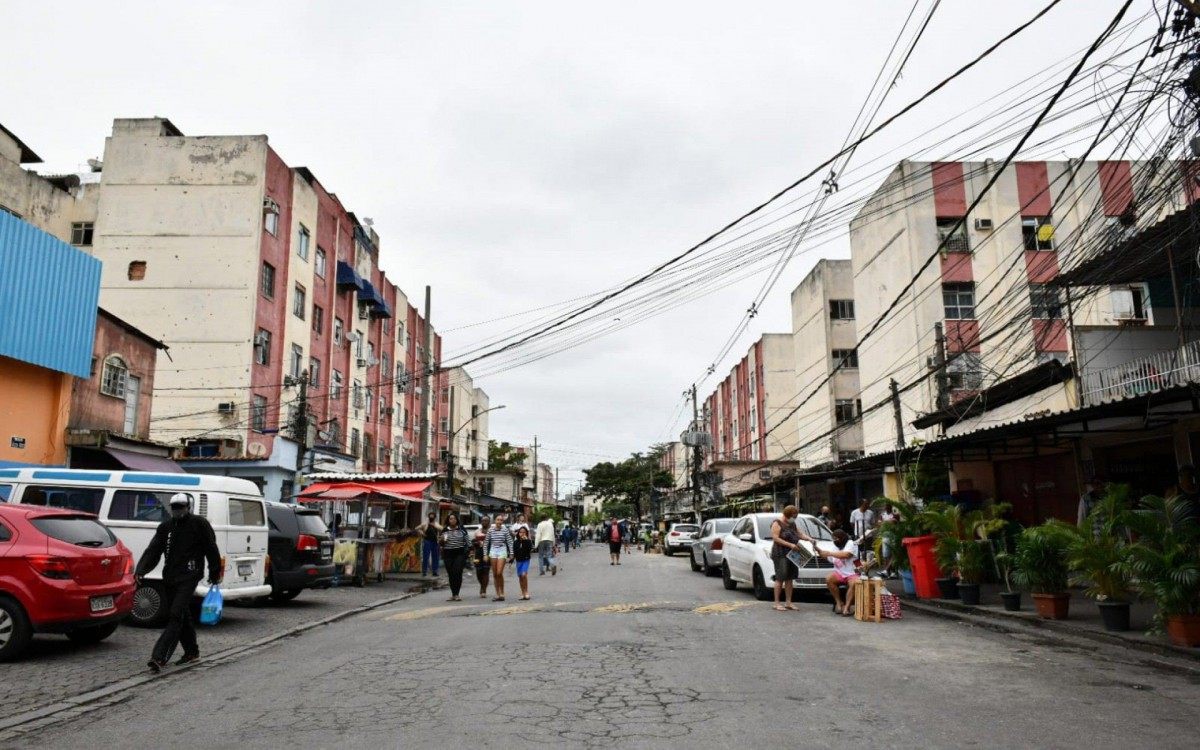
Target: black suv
column 301, row 550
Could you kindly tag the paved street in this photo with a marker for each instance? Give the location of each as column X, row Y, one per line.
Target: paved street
column 647, row 654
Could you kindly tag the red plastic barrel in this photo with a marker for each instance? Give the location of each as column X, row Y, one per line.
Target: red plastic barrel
column 925, row 569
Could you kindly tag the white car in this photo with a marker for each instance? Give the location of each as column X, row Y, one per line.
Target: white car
column 747, row 553
column 680, row 537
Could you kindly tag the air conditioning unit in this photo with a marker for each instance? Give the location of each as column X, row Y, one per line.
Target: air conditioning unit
column 260, row 339
column 983, row 225
column 226, row 407
column 363, row 312
column 353, row 336
column 361, row 362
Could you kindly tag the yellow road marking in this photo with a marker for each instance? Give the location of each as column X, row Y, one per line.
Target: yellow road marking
column 630, row 607
column 417, row 614
column 720, row 608
column 511, row 610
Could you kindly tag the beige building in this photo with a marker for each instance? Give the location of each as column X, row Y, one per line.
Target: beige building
column 62, row 205
column 747, row 412
column 467, row 424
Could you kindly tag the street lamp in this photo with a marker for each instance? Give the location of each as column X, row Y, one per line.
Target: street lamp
column 450, row 446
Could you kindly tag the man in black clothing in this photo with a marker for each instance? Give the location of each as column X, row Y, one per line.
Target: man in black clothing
column 184, row 541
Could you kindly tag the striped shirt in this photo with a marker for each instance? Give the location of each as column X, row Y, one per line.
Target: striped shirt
column 498, row 539
column 454, row 538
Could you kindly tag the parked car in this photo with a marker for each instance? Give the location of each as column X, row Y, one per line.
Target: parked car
column 708, row 549
column 747, row 551
column 60, row 572
column 680, row 537
column 131, row 504
column 300, row 548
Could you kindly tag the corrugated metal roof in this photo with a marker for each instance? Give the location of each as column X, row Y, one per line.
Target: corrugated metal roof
column 48, row 296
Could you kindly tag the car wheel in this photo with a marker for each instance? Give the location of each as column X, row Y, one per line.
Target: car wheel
column 728, row 582
column 15, row 630
column 696, row 567
column 761, row 592
column 149, row 605
column 709, row 570
column 284, row 596
column 668, row 551
column 92, row 634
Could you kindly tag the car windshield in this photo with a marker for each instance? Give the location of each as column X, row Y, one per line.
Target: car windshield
column 686, row 528
column 77, row 530
column 311, row 523
column 724, row 526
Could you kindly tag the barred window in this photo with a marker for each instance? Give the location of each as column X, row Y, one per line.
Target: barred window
column 848, row 358
column 112, row 381
column 952, row 235
column 959, row 301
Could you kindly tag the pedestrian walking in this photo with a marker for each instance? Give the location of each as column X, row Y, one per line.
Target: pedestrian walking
column 862, row 520
column 184, row 542
column 522, row 553
column 429, row 544
column 626, row 534
column 785, row 537
column 615, row 541
column 483, row 566
column 520, row 524
column 544, row 539
column 455, row 546
column 499, row 543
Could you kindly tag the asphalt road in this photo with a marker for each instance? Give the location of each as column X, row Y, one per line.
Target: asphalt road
column 647, row 654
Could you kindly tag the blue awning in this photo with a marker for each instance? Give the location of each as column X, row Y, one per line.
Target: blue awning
column 367, row 294
column 347, row 276
column 381, row 310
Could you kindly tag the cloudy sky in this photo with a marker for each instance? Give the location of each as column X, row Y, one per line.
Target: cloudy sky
column 515, row 155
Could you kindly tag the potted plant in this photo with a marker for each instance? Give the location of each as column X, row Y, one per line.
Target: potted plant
column 972, row 563
column 1040, row 563
column 1098, row 553
column 1004, row 571
column 1164, row 565
column 944, row 521
column 891, row 536
column 963, row 543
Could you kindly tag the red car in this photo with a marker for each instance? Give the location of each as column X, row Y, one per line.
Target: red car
column 60, row 572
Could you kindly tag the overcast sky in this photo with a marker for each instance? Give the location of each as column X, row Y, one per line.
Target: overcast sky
column 515, row 155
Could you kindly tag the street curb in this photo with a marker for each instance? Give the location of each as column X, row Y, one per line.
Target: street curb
column 68, row 708
column 1056, row 630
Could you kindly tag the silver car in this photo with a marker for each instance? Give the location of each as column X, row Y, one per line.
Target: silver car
column 709, row 548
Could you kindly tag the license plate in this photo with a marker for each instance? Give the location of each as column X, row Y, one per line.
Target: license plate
column 245, row 568
column 101, row 603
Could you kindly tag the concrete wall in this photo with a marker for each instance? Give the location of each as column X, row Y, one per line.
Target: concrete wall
column 33, row 413
column 41, row 202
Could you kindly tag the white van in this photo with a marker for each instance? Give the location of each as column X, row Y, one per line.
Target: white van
column 133, row 503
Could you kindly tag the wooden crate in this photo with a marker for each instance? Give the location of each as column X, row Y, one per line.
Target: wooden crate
column 868, row 600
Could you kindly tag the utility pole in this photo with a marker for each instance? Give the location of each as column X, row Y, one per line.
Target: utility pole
column 450, row 450
column 300, row 431
column 556, row 485
column 939, row 365
column 536, row 497
column 695, row 455
column 430, row 380
column 896, row 410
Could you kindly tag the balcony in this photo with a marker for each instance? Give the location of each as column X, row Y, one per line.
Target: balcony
column 1142, row 376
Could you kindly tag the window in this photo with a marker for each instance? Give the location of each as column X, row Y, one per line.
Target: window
column 268, row 280
column 355, row 441
column 339, row 330
column 959, row 301
column 314, row 372
column 296, row 363
column 302, row 243
column 841, row 309
column 319, row 262
column 369, row 398
column 5, row 492
column 86, row 499
column 444, row 425
column 335, row 434
column 246, row 512
column 116, row 373
column 262, row 347
column 81, row 234
column 965, row 372
column 137, row 270
column 140, row 505
column 356, row 395
column 843, row 410
column 847, row 357
column 358, row 344
column 383, row 454
column 1045, row 302
column 335, row 385
column 258, row 414
column 5, row 534
column 318, row 325
column 487, row 485
column 385, row 365
column 271, row 216
column 1037, row 232
column 1129, row 302
column 952, row 235
column 370, row 352
column 81, row 532
column 300, row 302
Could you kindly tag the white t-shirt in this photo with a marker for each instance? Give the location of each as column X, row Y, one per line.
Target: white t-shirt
column 844, row 566
column 861, row 521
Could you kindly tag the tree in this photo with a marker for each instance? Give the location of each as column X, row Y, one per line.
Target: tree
column 624, row 486
column 504, row 457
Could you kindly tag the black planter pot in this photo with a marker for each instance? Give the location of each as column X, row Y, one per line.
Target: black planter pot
column 968, row 592
column 1115, row 615
column 1012, row 600
column 948, row 588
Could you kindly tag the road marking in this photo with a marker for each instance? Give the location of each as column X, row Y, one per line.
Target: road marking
column 515, row 610
column 617, row 608
column 720, row 608
column 417, row 614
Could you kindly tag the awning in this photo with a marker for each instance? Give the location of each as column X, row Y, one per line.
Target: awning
column 367, row 294
column 144, row 462
column 347, row 276
column 323, row 491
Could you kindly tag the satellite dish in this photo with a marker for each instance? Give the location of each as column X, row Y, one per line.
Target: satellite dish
column 258, row 450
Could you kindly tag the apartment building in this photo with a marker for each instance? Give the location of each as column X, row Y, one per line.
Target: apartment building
column 256, row 275
column 752, row 399
column 466, row 424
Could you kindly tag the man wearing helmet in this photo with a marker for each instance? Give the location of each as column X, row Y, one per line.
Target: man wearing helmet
column 184, row 542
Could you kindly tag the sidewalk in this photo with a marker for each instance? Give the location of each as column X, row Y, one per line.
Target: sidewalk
column 1084, row 619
